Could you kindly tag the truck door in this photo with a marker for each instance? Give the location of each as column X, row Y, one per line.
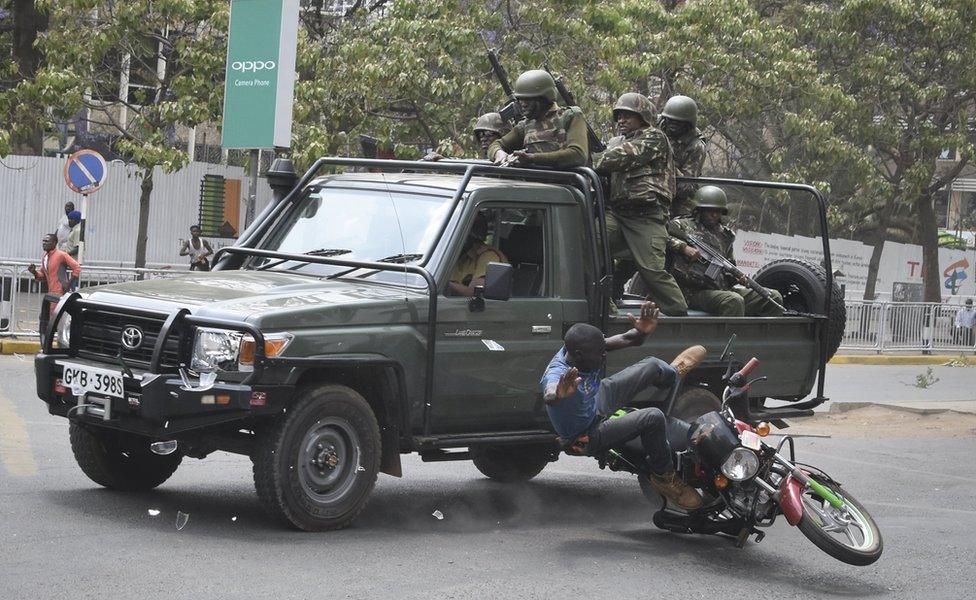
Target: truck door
column 488, row 363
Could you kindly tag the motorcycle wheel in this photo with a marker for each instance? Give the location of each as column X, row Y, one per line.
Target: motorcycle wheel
column 850, row 535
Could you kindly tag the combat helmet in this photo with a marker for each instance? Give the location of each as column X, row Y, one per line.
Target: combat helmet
column 709, row 196
column 492, row 122
column 535, row 83
column 681, row 108
column 635, row 103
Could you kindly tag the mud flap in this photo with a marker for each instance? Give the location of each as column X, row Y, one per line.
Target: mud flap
column 790, row 501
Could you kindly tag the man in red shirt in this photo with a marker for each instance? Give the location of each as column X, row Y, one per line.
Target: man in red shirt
column 59, row 270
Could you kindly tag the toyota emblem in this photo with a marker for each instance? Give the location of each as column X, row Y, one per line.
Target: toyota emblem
column 131, row 337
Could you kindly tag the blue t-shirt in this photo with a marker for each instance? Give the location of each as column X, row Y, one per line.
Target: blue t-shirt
column 575, row 414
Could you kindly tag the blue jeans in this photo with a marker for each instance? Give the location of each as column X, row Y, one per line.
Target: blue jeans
column 648, row 424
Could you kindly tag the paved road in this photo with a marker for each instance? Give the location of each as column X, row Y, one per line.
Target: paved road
column 573, row 531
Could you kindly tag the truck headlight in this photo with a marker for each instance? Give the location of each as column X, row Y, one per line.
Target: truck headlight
column 63, row 335
column 215, row 349
column 741, row 464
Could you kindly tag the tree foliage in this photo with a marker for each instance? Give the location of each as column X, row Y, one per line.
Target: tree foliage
column 857, row 97
column 173, row 48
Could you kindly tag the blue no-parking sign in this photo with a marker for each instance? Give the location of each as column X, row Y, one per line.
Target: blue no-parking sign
column 85, row 171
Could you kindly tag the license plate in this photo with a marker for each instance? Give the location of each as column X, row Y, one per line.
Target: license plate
column 750, row 439
column 83, row 379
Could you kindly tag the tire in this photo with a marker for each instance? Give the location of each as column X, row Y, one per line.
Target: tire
column 510, row 464
column 120, row 461
column 693, row 403
column 804, row 288
column 315, row 468
column 865, row 552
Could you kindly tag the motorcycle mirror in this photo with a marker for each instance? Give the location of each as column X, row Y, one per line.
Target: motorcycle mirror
column 727, row 353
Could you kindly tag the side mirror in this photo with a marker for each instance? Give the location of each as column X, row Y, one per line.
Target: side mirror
column 498, row 281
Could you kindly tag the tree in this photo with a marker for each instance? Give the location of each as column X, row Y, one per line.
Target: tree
column 908, row 67
column 18, row 33
column 175, row 49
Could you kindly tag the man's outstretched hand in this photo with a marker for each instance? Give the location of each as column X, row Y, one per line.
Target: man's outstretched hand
column 647, row 322
column 568, row 383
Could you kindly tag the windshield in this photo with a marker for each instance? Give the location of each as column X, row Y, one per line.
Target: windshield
column 351, row 224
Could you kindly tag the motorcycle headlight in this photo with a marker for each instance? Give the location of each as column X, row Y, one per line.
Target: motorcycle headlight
column 63, row 335
column 742, row 464
column 215, row 349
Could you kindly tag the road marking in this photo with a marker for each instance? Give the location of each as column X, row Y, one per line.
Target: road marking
column 15, row 448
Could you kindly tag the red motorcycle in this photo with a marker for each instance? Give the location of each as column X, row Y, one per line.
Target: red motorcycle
column 747, row 483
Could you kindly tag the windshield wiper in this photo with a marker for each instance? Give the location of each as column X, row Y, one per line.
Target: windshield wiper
column 396, row 258
column 316, row 252
column 401, row 258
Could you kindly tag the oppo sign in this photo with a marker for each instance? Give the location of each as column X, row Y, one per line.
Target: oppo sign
column 253, row 66
column 259, row 73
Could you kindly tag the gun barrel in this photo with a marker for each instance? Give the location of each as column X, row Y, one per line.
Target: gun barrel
column 500, row 74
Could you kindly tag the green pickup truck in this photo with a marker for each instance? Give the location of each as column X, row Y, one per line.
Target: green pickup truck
column 324, row 345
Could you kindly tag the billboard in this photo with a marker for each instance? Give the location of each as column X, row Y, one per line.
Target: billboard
column 259, row 81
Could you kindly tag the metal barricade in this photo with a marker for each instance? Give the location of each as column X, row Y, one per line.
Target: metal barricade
column 945, row 334
column 906, row 326
column 865, row 324
column 21, row 293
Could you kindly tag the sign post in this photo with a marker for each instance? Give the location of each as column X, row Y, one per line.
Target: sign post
column 259, row 80
column 85, row 174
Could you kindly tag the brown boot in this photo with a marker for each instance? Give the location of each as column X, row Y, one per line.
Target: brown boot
column 676, row 491
column 689, row 359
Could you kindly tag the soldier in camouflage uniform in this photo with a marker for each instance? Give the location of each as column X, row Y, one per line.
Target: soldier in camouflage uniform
column 488, row 128
column 550, row 135
column 706, row 222
column 678, row 121
column 638, row 162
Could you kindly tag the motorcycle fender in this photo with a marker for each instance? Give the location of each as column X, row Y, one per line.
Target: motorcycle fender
column 790, row 491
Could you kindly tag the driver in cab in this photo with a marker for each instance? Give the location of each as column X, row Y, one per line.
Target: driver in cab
column 472, row 265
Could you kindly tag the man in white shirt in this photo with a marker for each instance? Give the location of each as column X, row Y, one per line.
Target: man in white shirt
column 63, row 228
column 70, row 242
column 965, row 321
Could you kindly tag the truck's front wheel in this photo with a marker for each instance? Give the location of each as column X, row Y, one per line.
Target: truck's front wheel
column 510, row 464
column 315, row 468
column 119, row 461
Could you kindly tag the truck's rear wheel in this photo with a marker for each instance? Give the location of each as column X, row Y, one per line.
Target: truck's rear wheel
column 510, row 464
column 317, row 466
column 804, row 289
column 120, row 461
column 693, row 403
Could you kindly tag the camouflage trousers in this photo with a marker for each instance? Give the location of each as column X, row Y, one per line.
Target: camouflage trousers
column 644, row 241
column 737, row 302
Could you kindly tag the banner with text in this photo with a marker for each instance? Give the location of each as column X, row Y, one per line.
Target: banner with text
column 899, row 272
column 259, row 81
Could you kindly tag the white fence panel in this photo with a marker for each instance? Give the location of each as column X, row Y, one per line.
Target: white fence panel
column 33, row 193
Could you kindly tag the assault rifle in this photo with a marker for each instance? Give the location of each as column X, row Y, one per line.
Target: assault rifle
column 714, row 268
column 511, row 112
column 593, row 141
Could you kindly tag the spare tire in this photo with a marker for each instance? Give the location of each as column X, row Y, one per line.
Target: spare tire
column 804, row 289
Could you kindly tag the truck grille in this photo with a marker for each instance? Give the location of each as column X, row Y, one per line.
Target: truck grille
column 98, row 335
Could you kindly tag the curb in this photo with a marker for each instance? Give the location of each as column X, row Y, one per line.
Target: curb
column 8, row 346
column 842, row 407
column 914, row 359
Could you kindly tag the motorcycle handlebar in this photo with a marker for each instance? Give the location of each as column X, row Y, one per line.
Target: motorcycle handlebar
column 748, row 368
